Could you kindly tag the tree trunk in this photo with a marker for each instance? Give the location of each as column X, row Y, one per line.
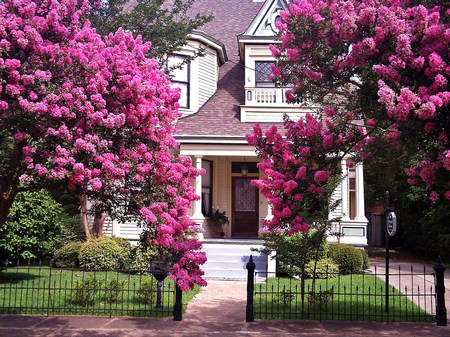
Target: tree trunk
column 84, row 216
column 6, row 202
column 97, row 226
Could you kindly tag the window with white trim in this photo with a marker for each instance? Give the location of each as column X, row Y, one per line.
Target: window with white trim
column 263, row 74
column 180, row 77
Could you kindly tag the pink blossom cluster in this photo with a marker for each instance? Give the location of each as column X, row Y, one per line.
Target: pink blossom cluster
column 302, row 166
column 330, row 43
column 95, row 114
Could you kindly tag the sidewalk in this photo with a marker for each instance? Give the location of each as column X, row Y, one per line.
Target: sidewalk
column 218, row 310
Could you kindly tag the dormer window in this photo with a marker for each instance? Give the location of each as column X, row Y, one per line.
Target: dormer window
column 180, row 76
column 263, row 74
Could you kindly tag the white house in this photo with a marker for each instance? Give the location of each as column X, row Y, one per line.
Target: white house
column 223, row 94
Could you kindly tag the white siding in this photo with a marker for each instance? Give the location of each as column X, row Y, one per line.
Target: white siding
column 207, row 77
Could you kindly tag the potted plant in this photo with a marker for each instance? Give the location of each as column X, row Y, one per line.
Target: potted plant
column 217, row 219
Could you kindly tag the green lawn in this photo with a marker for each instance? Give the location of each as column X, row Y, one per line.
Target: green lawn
column 44, row 290
column 349, row 297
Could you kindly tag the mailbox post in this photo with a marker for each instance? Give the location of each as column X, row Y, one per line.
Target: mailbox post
column 391, row 229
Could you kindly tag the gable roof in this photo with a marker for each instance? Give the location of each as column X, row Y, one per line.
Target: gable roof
column 220, row 115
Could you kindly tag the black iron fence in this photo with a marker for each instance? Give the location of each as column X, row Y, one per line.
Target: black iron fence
column 41, row 289
column 412, row 295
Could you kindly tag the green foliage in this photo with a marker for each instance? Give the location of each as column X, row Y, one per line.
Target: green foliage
column 114, row 290
column 292, row 252
column 427, row 231
column 285, row 297
column 324, row 268
column 365, row 258
column 141, row 259
column 154, row 20
column 147, row 290
column 33, row 226
column 85, row 291
column 217, row 217
column 322, row 297
column 349, row 259
column 102, row 253
column 126, row 257
column 67, row 255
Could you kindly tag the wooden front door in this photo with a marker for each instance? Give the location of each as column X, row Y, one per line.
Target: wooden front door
column 245, row 208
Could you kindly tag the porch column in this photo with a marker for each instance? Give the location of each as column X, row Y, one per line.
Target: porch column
column 360, row 212
column 345, row 206
column 197, row 215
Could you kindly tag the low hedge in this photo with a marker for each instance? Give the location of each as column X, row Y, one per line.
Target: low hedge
column 102, row 253
column 67, row 255
column 349, row 259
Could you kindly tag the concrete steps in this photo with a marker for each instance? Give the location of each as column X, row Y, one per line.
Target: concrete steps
column 227, row 259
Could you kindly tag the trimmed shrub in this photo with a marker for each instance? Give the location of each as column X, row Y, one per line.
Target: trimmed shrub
column 147, row 290
column 85, row 291
column 126, row 258
column 141, row 259
column 325, row 268
column 365, row 258
column 101, row 253
column 114, row 290
column 348, row 258
column 67, row 256
column 293, row 251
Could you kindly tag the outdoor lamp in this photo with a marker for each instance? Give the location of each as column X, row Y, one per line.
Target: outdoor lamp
column 159, row 269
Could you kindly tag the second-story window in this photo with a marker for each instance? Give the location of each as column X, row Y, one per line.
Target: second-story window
column 180, row 76
column 263, row 74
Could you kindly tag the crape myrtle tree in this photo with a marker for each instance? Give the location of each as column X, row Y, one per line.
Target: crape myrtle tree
column 385, row 61
column 301, row 169
column 154, row 20
column 93, row 115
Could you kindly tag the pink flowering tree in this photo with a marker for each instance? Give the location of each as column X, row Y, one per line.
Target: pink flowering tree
column 93, row 115
column 387, row 62
column 301, row 168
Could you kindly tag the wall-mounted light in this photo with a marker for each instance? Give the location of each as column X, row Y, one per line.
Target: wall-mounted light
column 244, row 169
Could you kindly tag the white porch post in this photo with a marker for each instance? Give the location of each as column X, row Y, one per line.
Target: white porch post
column 360, row 212
column 197, row 216
column 345, row 205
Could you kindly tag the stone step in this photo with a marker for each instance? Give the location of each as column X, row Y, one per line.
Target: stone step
column 227, row 259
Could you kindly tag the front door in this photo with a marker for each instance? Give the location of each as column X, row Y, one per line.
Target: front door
column 245, row 208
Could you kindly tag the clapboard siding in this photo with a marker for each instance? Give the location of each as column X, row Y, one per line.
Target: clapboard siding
column 207, row 77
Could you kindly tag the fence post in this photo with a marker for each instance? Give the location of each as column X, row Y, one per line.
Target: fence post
column 178, row 306
column 441, row 311
column 249, row 312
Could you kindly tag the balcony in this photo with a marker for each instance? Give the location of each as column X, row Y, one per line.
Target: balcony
column 267, row 105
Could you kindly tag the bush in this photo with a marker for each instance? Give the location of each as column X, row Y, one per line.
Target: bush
column 141, row 258
column 126, row 257
column 113, row 290
column 67, row 256
column 147, row 290
column 101, row 253
column 84, row 292
column 365, row 258
column 33, row 226
column 292, row 251
column 348, row 258
column 325, row 268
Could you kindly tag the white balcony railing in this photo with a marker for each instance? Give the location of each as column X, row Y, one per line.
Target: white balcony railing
column 265, row 96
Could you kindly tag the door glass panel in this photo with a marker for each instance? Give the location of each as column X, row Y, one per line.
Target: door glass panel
column 245, row 196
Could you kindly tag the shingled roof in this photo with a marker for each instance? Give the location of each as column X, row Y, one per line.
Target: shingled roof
column 220, row 116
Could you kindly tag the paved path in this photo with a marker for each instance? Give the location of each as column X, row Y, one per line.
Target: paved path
column 218, row 310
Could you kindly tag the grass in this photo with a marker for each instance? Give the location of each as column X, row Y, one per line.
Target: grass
column 349, row 297
column 44, row 290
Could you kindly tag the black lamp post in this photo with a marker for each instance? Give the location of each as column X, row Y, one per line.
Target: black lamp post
column 159, row 270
